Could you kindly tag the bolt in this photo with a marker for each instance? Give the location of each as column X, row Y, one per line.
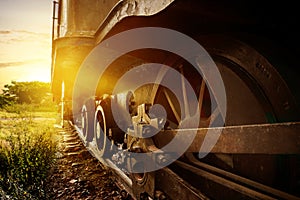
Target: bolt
column 161, row 159
column 159, row 195
column 124, row 194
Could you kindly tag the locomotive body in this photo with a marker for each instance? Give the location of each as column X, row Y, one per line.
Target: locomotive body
column 254, row 47
column 80, row 26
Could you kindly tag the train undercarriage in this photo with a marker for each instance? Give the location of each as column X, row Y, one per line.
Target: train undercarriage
column 168, row 130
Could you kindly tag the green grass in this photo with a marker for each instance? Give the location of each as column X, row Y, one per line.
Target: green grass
column 27, row 153
column 21, row 108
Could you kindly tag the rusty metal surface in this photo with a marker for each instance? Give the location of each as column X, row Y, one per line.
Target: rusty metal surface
column 203, row 182
column 83, row 18
column 238, row 179
column 129, row 8
column 281, row 138
column 175, row 187
column 217, row 187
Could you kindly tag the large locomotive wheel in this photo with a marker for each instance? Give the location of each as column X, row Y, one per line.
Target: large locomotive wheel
column 103, row 122
column 256, row 94
column 100, row 131
column 84, row 120
column 87, row 120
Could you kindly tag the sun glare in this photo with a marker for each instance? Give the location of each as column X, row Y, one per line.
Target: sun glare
column 27, row 57
column 33, row 72
column 38, row 73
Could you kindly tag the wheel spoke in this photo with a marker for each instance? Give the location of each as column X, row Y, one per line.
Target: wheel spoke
column 213, row 116
column 161, row 75
column 171, row 105
column 185, row 98
column 201, row 94
column 159, row 78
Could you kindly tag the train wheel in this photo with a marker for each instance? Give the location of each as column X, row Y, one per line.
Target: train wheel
column 100, row 130
column 84, row 120
column 256, row 93
column 87, row 120
column 101, row 127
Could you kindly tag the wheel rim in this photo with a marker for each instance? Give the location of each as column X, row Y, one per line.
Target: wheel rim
column 209, row 115
column 84, row 121
column 249, row 101
column 100, row 130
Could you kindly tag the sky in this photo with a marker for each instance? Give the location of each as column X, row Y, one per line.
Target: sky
column 25, row 40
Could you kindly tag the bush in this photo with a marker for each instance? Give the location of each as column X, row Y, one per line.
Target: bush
column 26, row 157
column 33, row 95
column 5, row 100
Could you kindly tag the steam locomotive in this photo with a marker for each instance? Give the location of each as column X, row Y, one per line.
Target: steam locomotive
column 189, row 85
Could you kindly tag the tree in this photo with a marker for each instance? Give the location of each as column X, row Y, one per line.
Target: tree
column 27, row 92
column 5, row 100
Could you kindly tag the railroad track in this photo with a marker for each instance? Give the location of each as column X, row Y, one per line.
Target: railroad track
column 79, row 175
column 188, row 178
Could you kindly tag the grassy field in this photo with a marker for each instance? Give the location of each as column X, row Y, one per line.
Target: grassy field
column 28, row 146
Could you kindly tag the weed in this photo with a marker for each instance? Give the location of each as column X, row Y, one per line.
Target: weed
column 27, row 154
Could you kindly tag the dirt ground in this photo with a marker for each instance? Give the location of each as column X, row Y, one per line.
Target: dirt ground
column 78, row 175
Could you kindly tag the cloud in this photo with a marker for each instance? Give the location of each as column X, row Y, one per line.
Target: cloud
column 16, row 36
column 4, row 32
column 11, row 64
column 18, row 47
column 19, row 63
column 23, row 32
